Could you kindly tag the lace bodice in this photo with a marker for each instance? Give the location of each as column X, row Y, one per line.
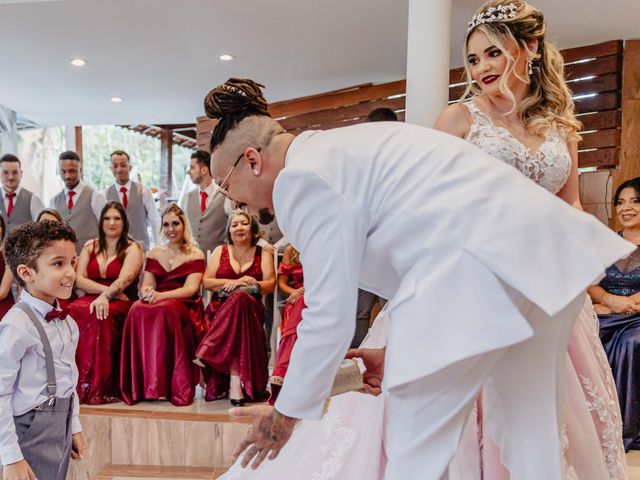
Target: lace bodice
column 549, row 167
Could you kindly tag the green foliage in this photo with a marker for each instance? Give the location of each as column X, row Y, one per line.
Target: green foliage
column 100, row 140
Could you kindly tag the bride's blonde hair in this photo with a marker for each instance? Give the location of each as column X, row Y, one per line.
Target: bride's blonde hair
column 549, row 105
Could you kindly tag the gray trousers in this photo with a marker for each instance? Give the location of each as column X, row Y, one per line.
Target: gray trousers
column 366, row 301
column 44, row 436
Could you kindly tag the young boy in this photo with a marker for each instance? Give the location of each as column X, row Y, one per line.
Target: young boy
column 39, row 424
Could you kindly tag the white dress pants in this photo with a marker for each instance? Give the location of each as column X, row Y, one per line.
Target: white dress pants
column 425, row 417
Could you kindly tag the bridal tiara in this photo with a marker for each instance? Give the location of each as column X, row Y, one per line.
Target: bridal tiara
column 493, row 14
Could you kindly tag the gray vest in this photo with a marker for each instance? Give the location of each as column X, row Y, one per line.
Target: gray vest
column 136, row 213
column 80, row 217
column 208, row 228
column 21, row 212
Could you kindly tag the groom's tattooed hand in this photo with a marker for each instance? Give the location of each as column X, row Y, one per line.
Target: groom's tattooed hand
column 269, row 433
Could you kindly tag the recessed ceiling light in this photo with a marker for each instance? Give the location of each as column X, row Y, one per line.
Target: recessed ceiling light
column 78, row 62
column 226, row 57
column 116, row 99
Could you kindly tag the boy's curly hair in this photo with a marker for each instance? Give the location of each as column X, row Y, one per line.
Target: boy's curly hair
column 25, row 244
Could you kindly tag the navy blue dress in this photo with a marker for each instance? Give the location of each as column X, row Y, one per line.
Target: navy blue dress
column 620, row 335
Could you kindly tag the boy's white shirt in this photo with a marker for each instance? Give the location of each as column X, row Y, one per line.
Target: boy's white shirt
column 23, row 376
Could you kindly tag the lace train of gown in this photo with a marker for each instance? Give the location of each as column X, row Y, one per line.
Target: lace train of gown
column 345, row 444
column 591, row 435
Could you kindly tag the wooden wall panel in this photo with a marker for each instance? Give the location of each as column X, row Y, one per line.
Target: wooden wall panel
column 601, row 120
column 612, row 47
column 630, row 132
column 601, row 158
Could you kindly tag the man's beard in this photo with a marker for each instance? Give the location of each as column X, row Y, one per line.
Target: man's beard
column 265, row 216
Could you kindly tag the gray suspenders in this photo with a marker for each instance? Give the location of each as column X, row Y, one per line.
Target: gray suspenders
column 48, row 354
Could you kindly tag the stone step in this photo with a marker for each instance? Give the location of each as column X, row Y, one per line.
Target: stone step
column 155, row 472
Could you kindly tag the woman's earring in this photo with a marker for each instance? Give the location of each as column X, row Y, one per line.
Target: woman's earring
column 530, row 67
column 255, row 172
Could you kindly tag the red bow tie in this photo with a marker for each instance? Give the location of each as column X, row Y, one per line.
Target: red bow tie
column 56, row 314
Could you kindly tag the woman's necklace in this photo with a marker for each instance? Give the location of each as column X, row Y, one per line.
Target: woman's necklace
column 240, row 256
column 172, row 257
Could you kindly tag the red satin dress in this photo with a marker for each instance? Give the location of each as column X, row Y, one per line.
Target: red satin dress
column 291, row 317
column 158, row 342
column 98, row 352
column 236, row 331
column 7, row 302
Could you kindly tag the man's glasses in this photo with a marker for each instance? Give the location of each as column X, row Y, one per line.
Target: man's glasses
column 222, row 188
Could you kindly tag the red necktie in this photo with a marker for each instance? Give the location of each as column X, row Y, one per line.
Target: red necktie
column 56, row 314
column 125, row 200
column 203, row 201
column 70, row 202
column 10, row 207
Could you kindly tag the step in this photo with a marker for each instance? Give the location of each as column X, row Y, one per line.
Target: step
column 155, row 472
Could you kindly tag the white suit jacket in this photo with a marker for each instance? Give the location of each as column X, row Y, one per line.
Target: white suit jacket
column 419, row 216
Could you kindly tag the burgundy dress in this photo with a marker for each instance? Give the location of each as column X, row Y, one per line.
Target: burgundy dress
column 98, row 352
column 235, row 331
column 291, row 317
column 7, row 302
column 158, row 342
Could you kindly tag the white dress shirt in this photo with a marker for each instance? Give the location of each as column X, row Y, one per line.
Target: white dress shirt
column 98, row 199
column 23, row 376
column 153, row 217
column 36, row 204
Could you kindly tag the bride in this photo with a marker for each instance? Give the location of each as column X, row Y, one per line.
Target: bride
column 518, row 109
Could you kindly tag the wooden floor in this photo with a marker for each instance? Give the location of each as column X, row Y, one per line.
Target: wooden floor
column 150, row 472
column 198, row 473
column 633, row 463
column 158, row 441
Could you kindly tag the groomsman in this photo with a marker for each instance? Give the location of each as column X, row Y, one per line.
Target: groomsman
column 204, row 209
column 78, row 203
column 19, row 205
column 136, row 199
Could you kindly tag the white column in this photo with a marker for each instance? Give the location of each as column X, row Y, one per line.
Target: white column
column 428, row 50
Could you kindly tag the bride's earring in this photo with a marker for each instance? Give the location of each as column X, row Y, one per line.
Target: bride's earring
column 530, row 67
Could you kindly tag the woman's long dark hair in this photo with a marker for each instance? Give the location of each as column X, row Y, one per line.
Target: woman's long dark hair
column 123, row 241
column 633, row 183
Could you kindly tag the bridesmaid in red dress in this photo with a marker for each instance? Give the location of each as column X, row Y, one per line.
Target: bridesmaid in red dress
column 6, row 297
column 107, row 272
column 290, row 283
column 233, row 351
column 159, row 336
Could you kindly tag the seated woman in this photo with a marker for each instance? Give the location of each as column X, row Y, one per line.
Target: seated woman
column 107, row 272
column 290, row 283
column 6, row 278
column 159, row 335
column 617, row 302
column 234, row 345
column 49, row 214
